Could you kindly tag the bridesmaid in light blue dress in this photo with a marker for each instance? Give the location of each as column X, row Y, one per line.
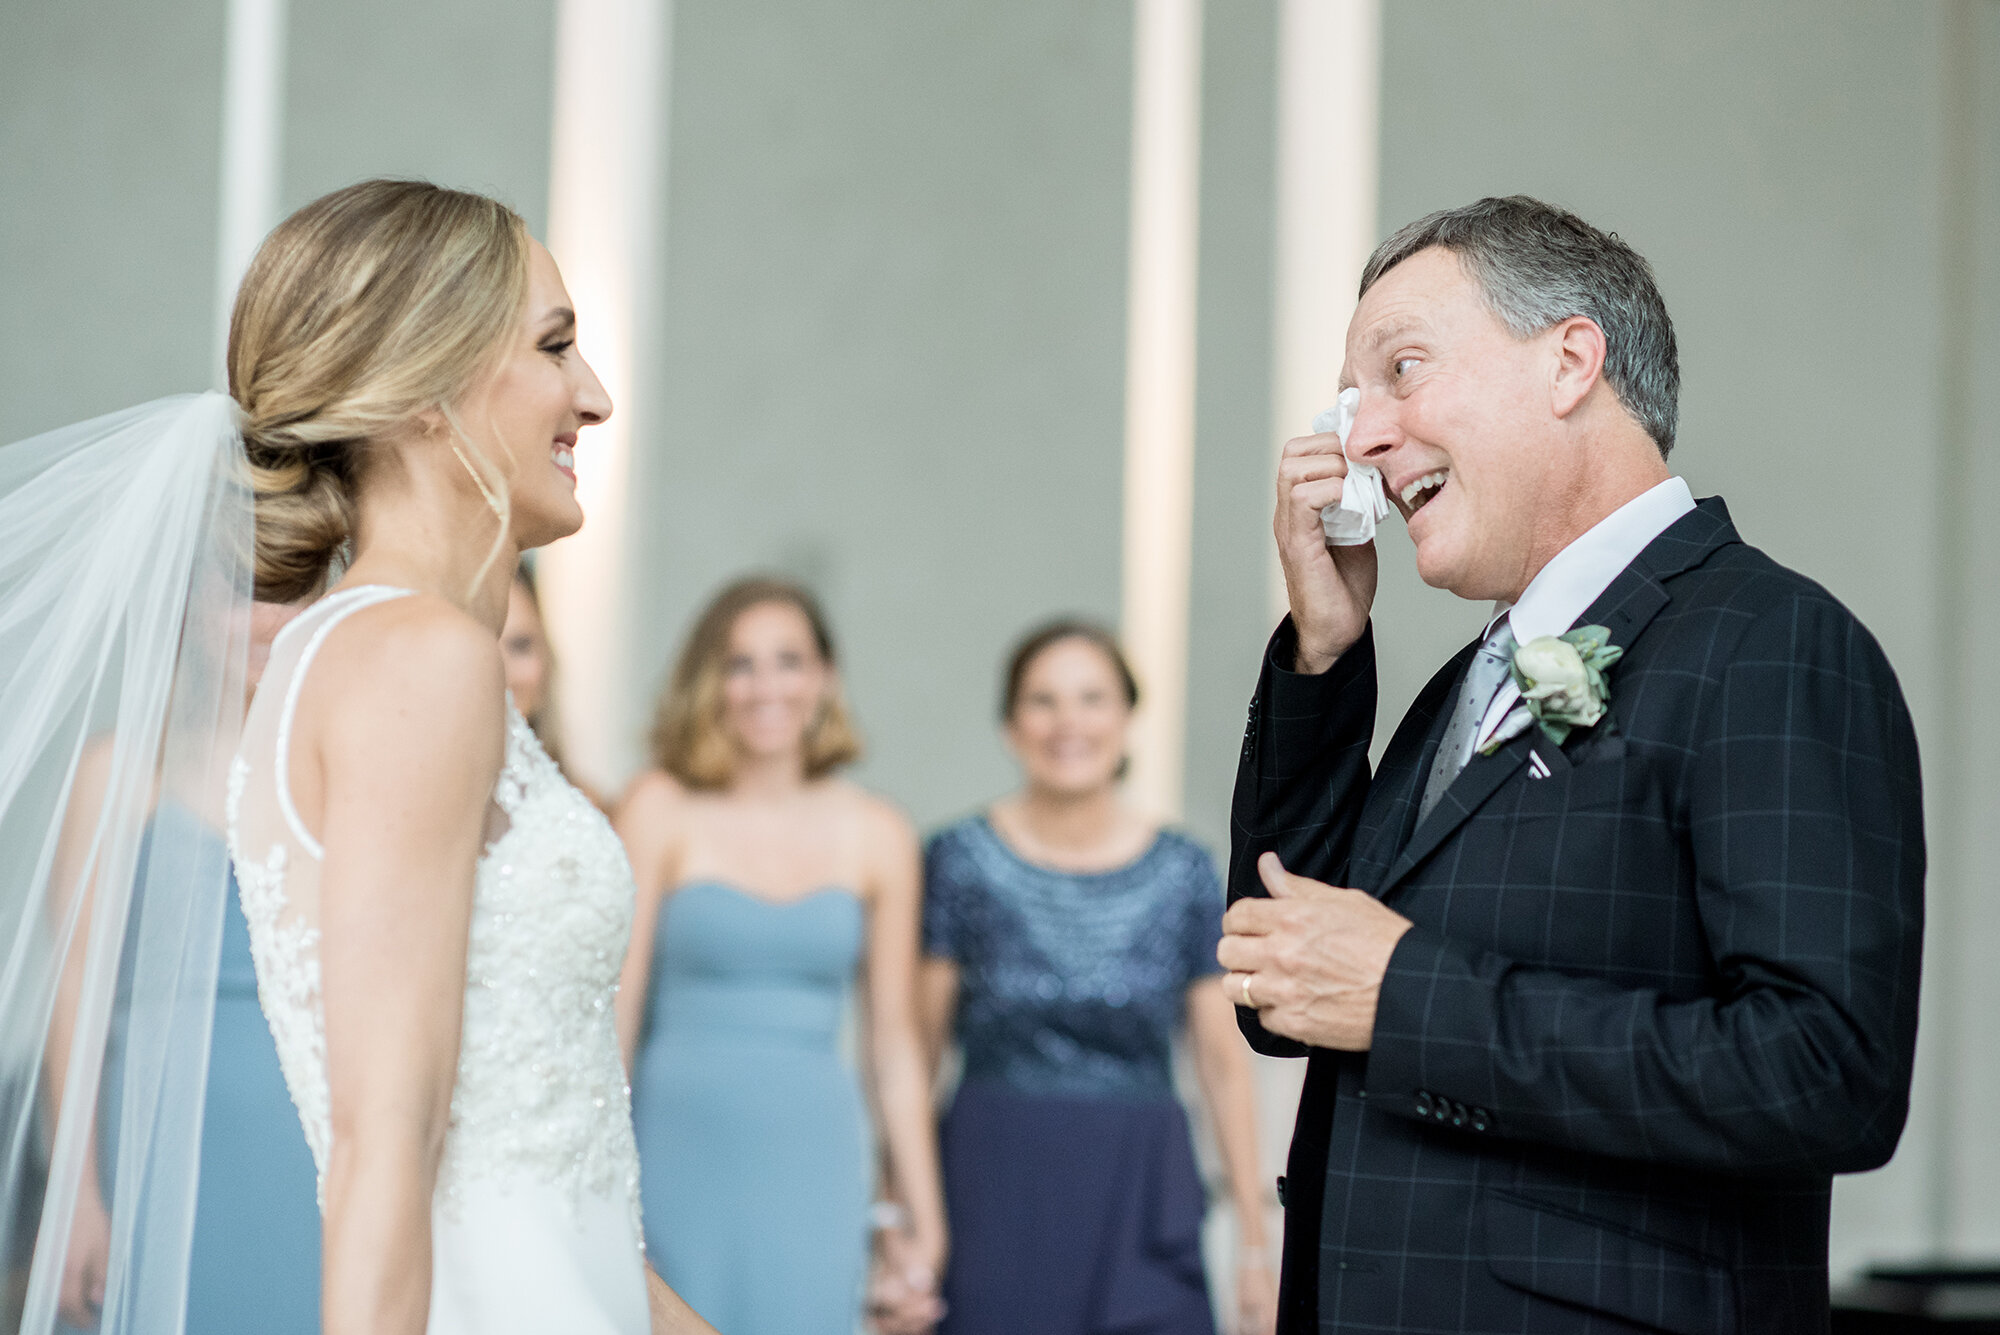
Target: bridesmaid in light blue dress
column 254, row 1265
column 255, row 1257
column 753, row 1137
column 775, row 942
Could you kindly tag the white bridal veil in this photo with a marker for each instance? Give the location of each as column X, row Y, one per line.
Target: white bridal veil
column 125, row 588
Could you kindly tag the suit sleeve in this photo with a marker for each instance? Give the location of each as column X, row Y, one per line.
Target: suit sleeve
column 1302, row 779
column 1805, row 821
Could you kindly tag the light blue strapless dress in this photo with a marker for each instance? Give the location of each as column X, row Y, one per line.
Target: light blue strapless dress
column 256, row 1221
column 254, row 1266
column 754, row 1147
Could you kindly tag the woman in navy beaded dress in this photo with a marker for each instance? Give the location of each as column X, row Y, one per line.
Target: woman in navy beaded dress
column 1068, row 942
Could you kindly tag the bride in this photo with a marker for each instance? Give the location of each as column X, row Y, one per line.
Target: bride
column 437, row 917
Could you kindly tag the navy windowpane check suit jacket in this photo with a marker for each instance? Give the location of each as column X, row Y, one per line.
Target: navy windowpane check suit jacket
column 1662, row 982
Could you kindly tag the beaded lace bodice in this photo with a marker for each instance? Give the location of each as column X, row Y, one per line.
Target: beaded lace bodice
column 541, row 1089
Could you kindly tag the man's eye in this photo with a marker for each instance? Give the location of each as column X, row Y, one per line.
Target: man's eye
column 1402, row 365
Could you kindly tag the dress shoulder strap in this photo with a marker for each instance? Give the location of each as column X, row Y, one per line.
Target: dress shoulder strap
column 321, row 618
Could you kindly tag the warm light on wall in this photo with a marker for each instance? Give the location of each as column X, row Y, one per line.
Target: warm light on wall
column 1329, row 61
column 1159, row 387
column 604, row 230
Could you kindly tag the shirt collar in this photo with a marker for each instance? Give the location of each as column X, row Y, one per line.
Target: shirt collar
column 1565, row 588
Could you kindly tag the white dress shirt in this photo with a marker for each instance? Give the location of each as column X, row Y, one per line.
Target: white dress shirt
column 1566, row 587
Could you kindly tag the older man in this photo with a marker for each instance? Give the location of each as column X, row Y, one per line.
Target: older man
column 1628, row 968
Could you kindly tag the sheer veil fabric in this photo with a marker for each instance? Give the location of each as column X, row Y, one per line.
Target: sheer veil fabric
column 126, row 550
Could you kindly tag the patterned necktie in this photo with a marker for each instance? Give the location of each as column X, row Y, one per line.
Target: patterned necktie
column 1482, row 681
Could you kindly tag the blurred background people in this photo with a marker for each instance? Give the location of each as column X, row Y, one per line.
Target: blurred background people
column 256, row 1256
column 531, row 670
column 1069, row 940
column 768, row 887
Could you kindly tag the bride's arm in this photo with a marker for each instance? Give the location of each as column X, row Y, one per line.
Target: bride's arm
column 410, row 743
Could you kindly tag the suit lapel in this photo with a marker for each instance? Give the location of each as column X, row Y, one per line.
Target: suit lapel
column 1399, row 781
column 1626, row 607
column 1474, row 784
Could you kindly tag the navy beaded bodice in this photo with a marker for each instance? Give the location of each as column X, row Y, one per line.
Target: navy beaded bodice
column 1071, row 983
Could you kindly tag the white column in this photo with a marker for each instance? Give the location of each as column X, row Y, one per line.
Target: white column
column 1329, row 66
column 1159, row 387
column 253, row 104
column 1329, row 58
column 605, row 224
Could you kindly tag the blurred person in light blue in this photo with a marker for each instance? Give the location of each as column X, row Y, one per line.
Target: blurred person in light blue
column 255, row 1263
column 530, row 664
column 774, row 900
column 1069, row 941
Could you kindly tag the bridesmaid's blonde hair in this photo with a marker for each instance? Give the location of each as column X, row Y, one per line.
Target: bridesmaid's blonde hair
column 688, row 741
column 365, row 308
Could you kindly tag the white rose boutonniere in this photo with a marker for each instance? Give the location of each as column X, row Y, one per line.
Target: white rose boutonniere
column 1562, row 684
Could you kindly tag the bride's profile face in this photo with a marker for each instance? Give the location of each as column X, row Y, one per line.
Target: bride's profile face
column 526, row 415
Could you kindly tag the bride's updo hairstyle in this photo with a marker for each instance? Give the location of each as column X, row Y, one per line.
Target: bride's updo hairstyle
column 365, row 308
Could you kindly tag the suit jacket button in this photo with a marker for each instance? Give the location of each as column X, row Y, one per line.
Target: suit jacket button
column 1281, row 1192
column 1423, row 1103
column 1458, row 1114
column 1480, row 1119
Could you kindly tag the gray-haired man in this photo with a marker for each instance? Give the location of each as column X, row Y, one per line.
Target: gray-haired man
column 1630, row 968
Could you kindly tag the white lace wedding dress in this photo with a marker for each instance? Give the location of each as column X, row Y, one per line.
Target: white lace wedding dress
column 535, row 1222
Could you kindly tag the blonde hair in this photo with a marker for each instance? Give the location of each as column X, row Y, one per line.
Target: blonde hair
column 688, row 740
column 365, row 308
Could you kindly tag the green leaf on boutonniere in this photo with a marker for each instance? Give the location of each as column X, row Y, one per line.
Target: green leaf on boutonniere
column 1561, row 678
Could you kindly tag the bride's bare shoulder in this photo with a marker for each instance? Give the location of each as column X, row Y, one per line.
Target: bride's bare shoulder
column 417, row 660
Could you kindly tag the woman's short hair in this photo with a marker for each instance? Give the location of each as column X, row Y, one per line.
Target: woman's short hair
column 688, row 740
column 362, row 310
column 1031, row 646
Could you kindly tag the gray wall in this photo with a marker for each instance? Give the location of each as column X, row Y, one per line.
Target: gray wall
column 110, row 134
column 455, row 91
column 892, row 361
column 1965, row 741
column 1784, row 166
column 1229, row 612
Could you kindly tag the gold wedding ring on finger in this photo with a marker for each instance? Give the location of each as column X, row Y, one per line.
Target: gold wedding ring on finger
column 1248, row 1003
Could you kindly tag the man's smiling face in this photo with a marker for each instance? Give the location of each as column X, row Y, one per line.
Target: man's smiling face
column 1457, row 414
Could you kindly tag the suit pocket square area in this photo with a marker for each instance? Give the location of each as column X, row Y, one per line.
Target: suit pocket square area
column 1554, row 1253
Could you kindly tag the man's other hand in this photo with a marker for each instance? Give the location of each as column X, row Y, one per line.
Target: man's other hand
column 1314, row 955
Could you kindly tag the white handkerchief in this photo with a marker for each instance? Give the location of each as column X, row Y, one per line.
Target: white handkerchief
column 1364, row 502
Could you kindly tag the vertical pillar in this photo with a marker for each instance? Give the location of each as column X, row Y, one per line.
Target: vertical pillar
column 604, row 229
column 1329, row 63
column 1159, row 387
column 253, row 101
